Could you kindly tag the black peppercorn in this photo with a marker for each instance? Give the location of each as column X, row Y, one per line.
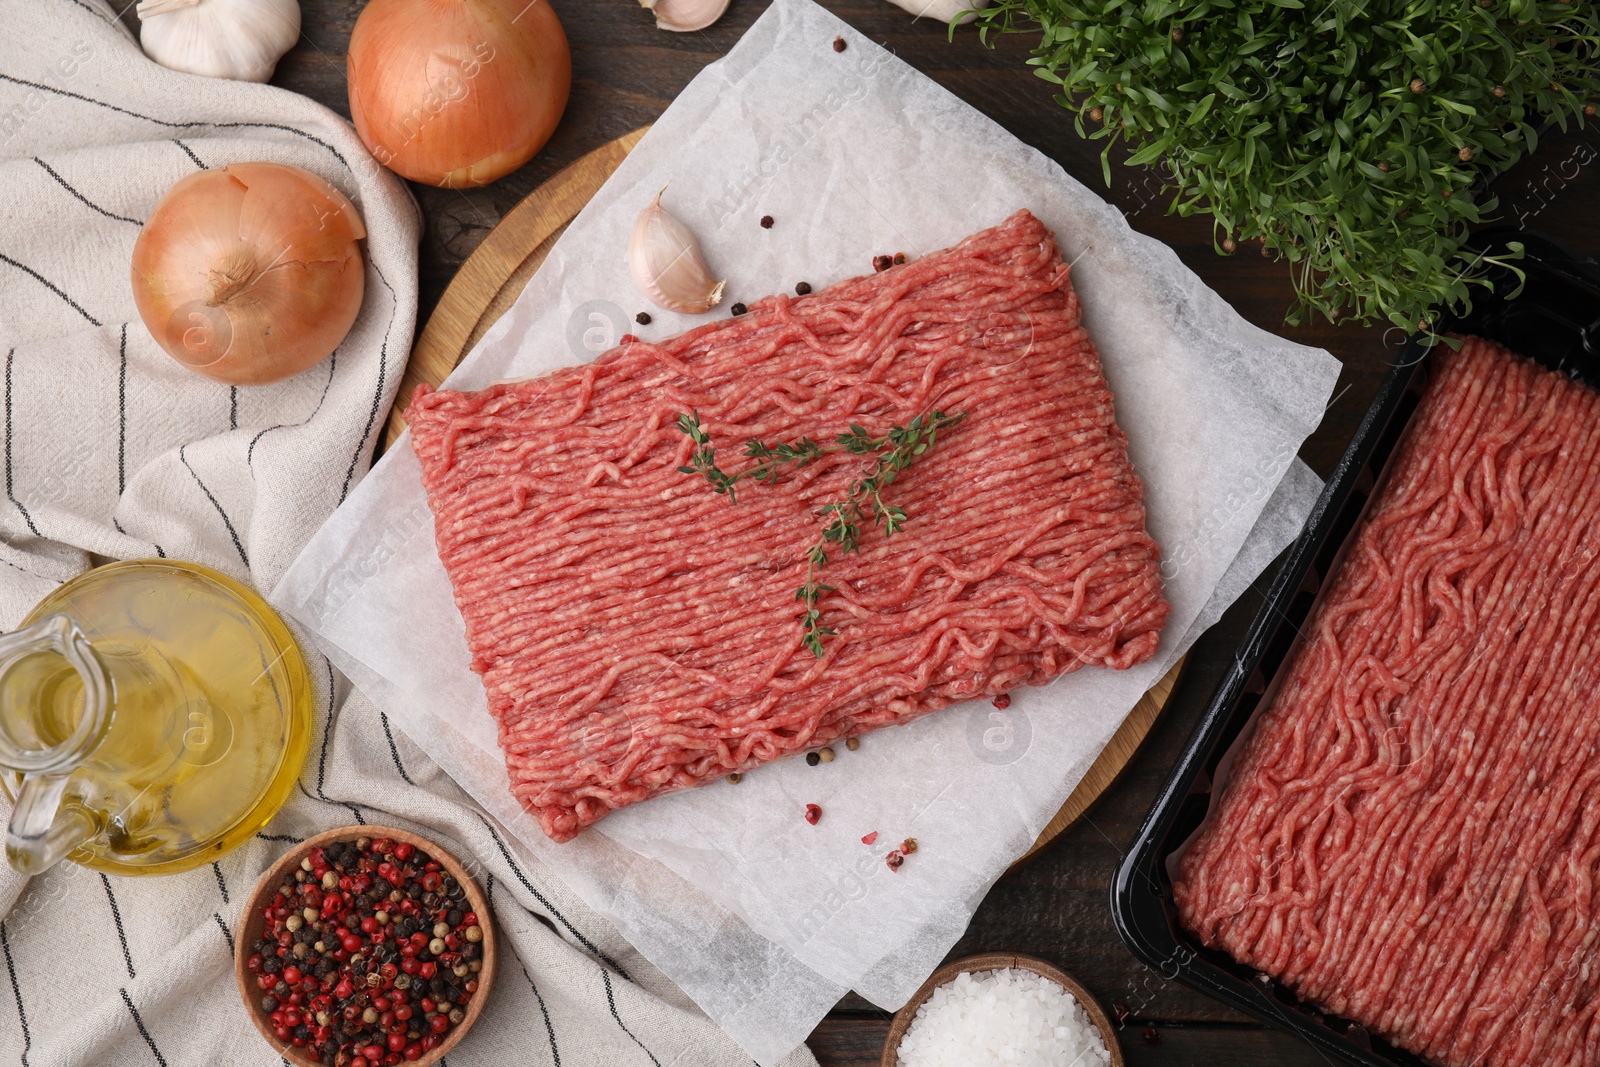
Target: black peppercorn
column 643, row 318
column 766, row 222
column 803, row 288
column 739, row 309
column 839, row 45
column 813, row 758
column 882, row 262
column 269, row 1003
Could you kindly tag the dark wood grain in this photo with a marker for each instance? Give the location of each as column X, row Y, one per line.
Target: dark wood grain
column 625, row 74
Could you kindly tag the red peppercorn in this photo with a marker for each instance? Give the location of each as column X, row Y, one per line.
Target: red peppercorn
column 870, row 838
column 427, row 970
column 373, row 1052
column 403, row 851
column 397, row 1042
column 813, row 813
column 439, row 1023
column 292, row 975
column 895, row 859
column 1003, row 701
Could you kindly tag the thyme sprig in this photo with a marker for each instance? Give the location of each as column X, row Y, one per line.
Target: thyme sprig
column 1354, row 140
column 863, row 505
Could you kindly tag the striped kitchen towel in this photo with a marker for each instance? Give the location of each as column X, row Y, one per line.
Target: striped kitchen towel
column 113, row 451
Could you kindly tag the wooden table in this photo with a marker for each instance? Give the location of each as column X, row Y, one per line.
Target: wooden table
column 625, row 73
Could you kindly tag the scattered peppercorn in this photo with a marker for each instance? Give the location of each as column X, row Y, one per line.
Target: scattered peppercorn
column 738, row 309
column 1465, row 155
column 1097, row 114
column 766, row 222
column 853, row 743
column 803, row 288
column 343, row 982
column 1151, row 1036
column 899, row 258
column 643, row 318
column 870, row 838
column 1003, row 701
column 1383, row 166
column 1418, row 86
column 1177, row 35
column 825, row 755
column 1499, row 90
column 1121, row 1011
column 895, row 859
column 839, row 45
column 735, row 778
column 909, row 845
column 882, row 262
column 1228, row 245
column 1588, row 109
column 813, row 813
column 812, row 759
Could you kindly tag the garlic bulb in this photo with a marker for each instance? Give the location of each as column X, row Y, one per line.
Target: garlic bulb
column 956, row 12
column 666, row 263
column 683, row 16
column 238, row 39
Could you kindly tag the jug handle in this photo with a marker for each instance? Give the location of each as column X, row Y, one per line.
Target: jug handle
column 42, row 830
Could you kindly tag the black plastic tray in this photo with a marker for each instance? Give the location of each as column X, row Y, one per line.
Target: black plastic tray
column 1556, row 320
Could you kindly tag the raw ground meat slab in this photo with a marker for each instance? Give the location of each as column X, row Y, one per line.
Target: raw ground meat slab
column 637, row 633
column 1411, row 835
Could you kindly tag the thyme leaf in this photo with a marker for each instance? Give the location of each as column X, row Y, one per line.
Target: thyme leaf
column 843, row 520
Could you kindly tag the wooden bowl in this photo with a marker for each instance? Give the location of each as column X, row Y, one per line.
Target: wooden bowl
column 996, row 961
column 251, row 924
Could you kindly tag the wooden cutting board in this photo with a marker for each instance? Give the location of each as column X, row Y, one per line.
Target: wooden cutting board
column 490, row 281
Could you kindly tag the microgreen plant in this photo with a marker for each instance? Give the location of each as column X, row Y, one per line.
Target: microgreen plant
column 1352, row 138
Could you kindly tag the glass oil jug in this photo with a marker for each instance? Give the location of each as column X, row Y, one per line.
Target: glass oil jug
column 153, row 715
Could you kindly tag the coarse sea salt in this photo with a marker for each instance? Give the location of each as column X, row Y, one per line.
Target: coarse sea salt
column 1009, row 1017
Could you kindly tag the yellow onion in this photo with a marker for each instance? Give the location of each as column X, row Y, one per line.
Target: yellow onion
column 250, row 274
column 457, row 93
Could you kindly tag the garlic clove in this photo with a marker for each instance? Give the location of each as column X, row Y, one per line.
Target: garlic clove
column 955, row 12
column 238, row 39
column 666, row 263
column 684, row 16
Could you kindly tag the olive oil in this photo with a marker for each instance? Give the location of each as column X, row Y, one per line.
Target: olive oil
column 206, row 724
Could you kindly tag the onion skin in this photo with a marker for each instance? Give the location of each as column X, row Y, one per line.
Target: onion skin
column 457, row 93
column 250, row 274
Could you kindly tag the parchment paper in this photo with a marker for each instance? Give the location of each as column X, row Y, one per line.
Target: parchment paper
column 760, row 918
